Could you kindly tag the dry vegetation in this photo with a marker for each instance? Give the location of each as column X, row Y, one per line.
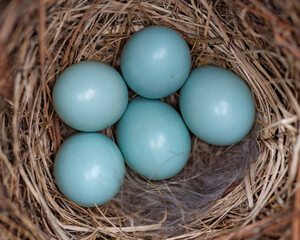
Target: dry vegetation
column 258, row 40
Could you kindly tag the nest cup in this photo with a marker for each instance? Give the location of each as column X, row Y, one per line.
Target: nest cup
column 257, row 40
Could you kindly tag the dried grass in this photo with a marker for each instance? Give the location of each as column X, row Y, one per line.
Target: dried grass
column 258, row 40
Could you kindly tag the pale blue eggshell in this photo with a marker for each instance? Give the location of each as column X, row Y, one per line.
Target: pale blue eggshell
column 217, row 105
column 155, row 62
column 89, row 169
column 90, row 96
column 153, row 139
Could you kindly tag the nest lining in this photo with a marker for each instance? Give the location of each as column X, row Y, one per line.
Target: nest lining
column 259, row 41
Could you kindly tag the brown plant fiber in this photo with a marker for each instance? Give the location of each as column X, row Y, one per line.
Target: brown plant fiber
column 245, row 191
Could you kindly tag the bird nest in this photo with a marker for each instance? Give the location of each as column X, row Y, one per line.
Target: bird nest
column 257, row 40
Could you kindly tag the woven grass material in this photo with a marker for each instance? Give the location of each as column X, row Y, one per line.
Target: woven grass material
column 258, row 40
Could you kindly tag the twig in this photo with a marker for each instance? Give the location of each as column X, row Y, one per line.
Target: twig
column 42, row 47
column 83, row 19
column 296, row 221
column 281, row 27
column 221, row 27
column 264, row 226
column 6, row 30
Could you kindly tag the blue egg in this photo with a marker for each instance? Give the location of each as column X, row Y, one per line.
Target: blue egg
column 217, row 105
column 90, row 96
column 155, row 62
column 89, row 169
column 153, row 139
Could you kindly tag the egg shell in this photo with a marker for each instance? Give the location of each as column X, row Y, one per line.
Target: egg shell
column 153, row 139
column 89, row 169
column 155, row 62
column 217, row 105
column 90, row 96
